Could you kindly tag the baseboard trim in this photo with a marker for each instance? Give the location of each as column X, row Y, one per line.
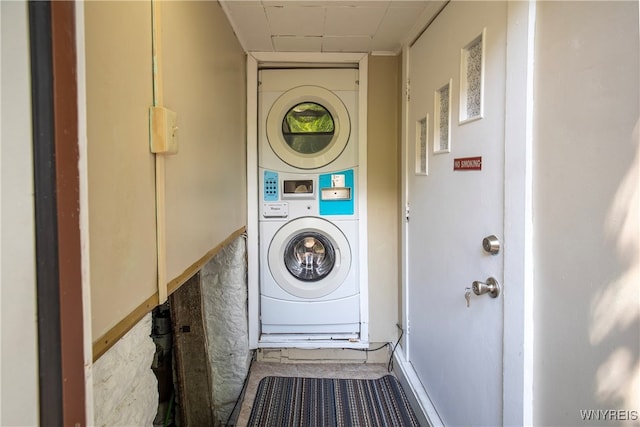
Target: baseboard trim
column 416, row 393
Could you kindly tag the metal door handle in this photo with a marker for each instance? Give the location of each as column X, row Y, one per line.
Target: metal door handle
column 491, row 287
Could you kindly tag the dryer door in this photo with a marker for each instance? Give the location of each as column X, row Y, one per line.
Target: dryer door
column 308, row 127
column 309, row 257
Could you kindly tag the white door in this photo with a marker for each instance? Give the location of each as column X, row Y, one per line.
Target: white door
column 457, row 350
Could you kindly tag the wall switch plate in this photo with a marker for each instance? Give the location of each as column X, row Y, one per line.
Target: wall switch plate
column 164, row 130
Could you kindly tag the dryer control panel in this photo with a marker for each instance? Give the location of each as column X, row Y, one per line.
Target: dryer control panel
column 287, row 195
column 270, row 186
column 337, row 193
column 275, row 210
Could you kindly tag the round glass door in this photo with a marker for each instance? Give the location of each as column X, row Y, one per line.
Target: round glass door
column 308, row 127
column 309, row 256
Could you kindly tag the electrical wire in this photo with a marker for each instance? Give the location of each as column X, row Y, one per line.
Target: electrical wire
column 390, row 365
column 388, row 344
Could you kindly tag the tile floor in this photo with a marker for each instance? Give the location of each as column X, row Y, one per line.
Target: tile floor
column 260, row 370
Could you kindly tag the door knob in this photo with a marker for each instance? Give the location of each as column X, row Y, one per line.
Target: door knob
column 491, row 287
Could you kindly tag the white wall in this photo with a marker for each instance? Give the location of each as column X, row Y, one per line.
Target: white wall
column 586, row 216
column 18, row 360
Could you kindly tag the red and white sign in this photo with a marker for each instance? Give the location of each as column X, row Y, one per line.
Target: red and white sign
column 467, row 164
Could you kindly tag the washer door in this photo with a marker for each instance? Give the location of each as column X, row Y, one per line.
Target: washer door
column 308, row 127
column 309, row 257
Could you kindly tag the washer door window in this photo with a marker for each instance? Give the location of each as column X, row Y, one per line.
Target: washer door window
column 309, row 257
column 308, row 127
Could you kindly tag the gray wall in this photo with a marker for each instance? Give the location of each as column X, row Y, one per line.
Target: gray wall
column 586, row 217
column 18, row 360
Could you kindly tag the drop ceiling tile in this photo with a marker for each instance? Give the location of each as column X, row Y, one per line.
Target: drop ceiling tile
column 241, row 2
column 295, row 20
column 385, row 45
column 409, row 3
column 289, row 3
column 249, row 19
column 297, row 44
column 359, row 3
column 250, row 24
column 255, row 43
column 346, row 44
column 397, row 22
column 353, row 21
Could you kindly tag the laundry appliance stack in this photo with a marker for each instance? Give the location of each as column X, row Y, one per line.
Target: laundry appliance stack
column 308, row 219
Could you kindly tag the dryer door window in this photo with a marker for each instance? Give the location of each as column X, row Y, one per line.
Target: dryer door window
column 309, row 256
column 308, row 127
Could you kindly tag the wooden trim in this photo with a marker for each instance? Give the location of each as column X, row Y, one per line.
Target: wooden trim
column 106, row 341
column 174, row 284
column 161, row 203
column 112, row 336
column 65, row 106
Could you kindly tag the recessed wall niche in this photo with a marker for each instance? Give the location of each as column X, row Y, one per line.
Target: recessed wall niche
column 472, row 79
column 422, row 130
column 442, row 119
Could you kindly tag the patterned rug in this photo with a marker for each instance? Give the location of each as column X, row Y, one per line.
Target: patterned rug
column 322, row 402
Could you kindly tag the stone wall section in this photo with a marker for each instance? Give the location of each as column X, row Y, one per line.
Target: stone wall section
column 224, row 299
column 124, row 386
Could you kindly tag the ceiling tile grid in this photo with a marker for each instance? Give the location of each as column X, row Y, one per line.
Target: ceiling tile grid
column 323, row 26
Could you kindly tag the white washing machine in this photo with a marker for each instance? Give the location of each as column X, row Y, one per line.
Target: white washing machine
column 309, row 278
column 308, row 119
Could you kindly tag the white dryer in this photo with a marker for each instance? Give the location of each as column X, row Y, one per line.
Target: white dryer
column 309, row 277
column 308, row 120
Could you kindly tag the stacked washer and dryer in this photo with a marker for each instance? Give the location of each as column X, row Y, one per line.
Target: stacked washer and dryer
column 308, row 219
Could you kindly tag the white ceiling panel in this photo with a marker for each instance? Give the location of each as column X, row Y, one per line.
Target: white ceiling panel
column 353, row 21
column 297, row 44
column 346, row 44
column 393, row 27
column 409, row 3
column 259, row 43
column 327, row 25
column 296, row 20
column 385, row 45
column 249, row 22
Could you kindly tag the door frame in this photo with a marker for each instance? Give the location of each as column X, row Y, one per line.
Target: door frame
column 256, row 60
column 517, row 390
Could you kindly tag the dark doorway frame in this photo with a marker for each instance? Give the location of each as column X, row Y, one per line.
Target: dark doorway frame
column 57, row 207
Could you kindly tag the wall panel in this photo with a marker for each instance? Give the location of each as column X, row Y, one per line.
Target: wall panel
column 120, row 166
column 383, row 196
column 203, row 68
column 586, row 212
